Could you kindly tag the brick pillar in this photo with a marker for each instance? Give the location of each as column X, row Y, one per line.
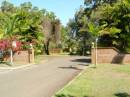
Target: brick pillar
column 93, row 57
column 31, row 56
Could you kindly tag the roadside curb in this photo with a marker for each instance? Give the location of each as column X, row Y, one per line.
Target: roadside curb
column 17, row 67
column 20, row 67
column 71, row 81
column 53, row 55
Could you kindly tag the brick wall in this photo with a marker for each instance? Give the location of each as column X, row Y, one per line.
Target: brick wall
column 109, row 55
column 55, row 51
column 21, row 57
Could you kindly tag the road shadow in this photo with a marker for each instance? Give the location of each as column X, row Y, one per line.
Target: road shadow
column 122, row 94
column 84, row 64
column 70, row 67
column 83, row 61
column 63, row 95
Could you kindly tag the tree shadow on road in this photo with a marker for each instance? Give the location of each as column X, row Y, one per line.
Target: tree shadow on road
column 83, row 62
column 70, row 67
column 122, row 94
column 63, row 95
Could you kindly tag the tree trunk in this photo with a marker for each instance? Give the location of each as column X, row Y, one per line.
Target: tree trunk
column 46, row 47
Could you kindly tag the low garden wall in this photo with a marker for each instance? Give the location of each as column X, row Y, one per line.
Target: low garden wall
column 55, row 51
column 109, row 55
column 22, row 57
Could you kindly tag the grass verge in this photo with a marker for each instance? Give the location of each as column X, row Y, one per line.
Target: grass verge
column 109, row 80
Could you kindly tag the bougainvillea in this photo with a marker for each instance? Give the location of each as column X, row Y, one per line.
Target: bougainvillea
column 4, row 44
column 18, row 46
column 7, row 44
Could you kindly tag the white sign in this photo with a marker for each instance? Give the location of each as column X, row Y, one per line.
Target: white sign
column 14, row 44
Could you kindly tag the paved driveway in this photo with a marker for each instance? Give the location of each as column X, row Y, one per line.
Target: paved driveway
column 41, row 80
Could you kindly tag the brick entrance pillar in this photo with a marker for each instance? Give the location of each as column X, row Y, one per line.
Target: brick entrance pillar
column 31, row 56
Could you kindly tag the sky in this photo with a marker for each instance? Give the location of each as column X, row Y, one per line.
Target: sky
column 64, row 9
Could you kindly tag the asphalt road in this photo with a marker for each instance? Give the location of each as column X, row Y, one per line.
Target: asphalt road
column 42, row 80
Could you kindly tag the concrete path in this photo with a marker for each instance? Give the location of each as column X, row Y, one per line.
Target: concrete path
column 41, row 80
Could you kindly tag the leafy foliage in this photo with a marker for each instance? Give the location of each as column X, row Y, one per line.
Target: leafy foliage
column 24, row 22
column 106, row 19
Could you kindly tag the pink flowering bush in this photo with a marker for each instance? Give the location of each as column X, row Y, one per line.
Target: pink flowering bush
column 4, row 45
column 7, row 44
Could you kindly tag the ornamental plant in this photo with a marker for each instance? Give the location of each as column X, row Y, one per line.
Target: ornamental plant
column 6, row 44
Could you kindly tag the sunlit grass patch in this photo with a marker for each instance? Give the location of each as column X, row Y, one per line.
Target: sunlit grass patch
column 107, row 80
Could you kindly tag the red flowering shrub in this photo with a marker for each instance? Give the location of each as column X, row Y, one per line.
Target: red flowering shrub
column 18, row 46
column 7, row 44
column 4, row 44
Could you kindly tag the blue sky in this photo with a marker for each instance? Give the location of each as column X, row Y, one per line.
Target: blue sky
column 64, row 9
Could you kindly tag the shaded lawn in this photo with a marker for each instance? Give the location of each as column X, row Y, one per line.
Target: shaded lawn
column 108, row 80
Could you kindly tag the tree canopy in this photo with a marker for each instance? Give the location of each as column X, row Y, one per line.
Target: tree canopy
column 26, row 23
column 106, row 19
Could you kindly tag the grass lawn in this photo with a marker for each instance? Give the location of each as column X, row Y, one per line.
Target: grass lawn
column 104, row 81
column 38, row 59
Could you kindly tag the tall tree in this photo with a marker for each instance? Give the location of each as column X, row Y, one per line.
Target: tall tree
column 116, row 21
column 108, row 19
column 51, row 29
column 25, row 22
